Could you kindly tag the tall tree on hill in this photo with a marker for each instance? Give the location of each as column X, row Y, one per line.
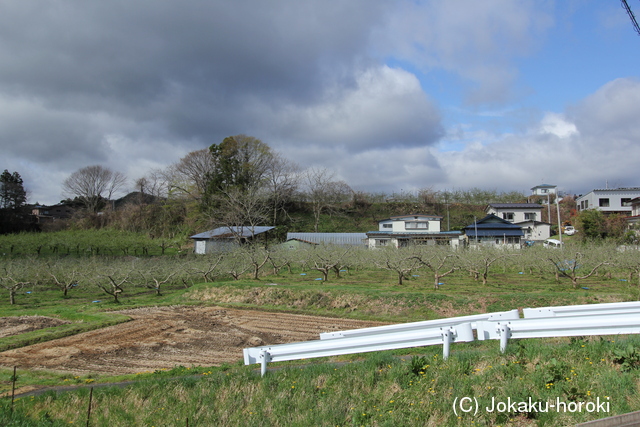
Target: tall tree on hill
column 93, row 185
column 236, row 194
column 241, row 162
column 13, row 199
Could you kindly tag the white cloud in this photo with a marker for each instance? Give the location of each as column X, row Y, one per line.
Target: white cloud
column 385, row 108
column 556, row 124
column 578, row 150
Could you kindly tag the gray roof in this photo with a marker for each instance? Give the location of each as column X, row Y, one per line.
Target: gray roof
column 357, row 239
column 233, row 232
column 413, row 234
column 516, row 205
column 544, row 186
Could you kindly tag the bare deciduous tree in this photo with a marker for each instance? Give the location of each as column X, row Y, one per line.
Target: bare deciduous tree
column 323, row 192
column 281, row 181
column 93, row 185
column 191, row 174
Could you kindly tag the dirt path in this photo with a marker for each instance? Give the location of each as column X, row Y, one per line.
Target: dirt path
column 165, row 337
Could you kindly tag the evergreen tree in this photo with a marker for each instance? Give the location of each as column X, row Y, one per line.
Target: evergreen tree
column 12, row 193
column 13, row 199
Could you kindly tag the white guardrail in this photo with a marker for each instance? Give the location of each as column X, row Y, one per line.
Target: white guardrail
column 562, row 321
column 579, row 310
column 387, row 341
column 581, row 325
column 417, row 326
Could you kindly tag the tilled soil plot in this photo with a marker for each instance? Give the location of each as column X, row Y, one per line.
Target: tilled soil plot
column 19, row 325
column 165, row 337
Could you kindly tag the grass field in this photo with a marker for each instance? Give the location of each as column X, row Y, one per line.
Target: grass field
column 409, row 387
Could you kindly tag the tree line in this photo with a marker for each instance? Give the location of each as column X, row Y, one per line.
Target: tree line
column 242, row 181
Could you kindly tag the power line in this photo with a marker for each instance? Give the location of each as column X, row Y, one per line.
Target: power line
column 631, row 15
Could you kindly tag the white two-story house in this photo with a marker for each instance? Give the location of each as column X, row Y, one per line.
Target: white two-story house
column 543, row 190
column 400, row 231
column 528, row 216
column 609, row 200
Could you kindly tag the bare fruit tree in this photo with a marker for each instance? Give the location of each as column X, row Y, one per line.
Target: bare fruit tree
column 580, row 266
column 65, row 273
column 440, row 261
column 401, row 261
column 14, row 275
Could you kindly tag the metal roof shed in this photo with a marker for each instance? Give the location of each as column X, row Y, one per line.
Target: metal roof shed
column 343, row 239
column 226, row 238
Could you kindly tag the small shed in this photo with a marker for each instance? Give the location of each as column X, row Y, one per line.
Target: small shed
column 296, row 240
column 227, row 238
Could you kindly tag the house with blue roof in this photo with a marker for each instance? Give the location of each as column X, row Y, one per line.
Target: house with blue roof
column 527, row 216
column 494, row 231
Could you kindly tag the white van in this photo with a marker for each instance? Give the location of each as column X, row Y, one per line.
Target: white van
column 552, row 243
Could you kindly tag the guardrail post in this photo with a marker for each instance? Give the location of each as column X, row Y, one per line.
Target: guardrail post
column 447, row 334
column 264, row 355
column 505, row 332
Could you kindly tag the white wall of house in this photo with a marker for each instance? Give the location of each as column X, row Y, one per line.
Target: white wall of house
column 398, row 242
column 608, row 200
column 543, row 190
column 635, row 207
column 516, row 215
column 536, row 230
column 411, row 224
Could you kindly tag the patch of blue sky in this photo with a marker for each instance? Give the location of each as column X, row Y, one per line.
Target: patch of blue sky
column 589, row 46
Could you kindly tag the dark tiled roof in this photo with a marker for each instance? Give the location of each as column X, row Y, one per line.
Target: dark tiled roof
column 516, row 205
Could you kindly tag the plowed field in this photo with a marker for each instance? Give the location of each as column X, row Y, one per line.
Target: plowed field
column 165, row 337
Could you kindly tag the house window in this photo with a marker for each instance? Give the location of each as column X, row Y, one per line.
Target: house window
column 625, row 201
column 603, row 203
column 530, row 216
column 382, row 242
column 387, row 225
column 508, row 216
column 416, row 225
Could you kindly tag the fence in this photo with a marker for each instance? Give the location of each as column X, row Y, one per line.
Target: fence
column 544, row 322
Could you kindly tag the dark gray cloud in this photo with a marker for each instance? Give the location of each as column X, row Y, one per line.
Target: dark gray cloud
column 145, row 59
column 137, row 84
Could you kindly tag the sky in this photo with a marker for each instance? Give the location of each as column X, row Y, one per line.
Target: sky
column 392, row 96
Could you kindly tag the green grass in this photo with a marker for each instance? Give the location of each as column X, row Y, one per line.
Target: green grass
column 377, row 389
column 371, row 389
